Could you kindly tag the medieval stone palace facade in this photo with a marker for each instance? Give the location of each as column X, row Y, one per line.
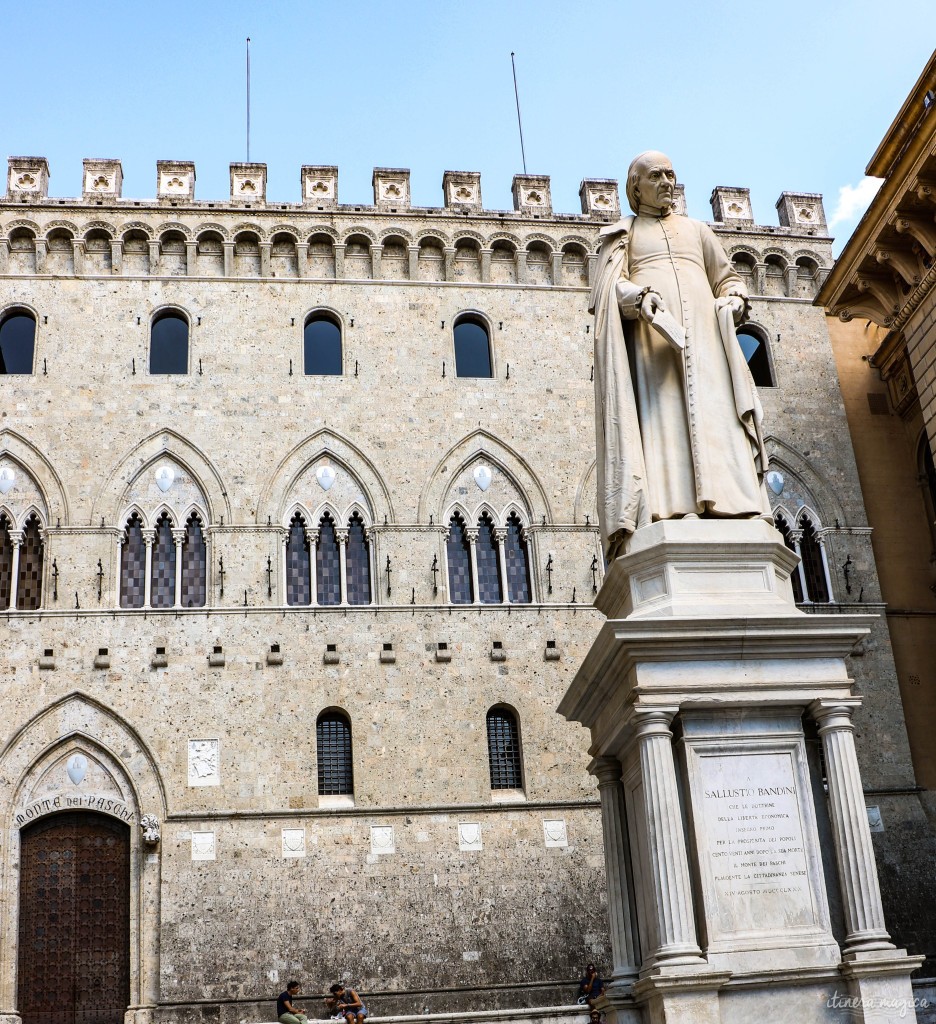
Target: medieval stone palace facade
column 298, row 550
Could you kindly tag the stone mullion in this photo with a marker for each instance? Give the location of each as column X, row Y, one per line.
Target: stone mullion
column 371, row 541
column 191, row 258
column 500, row 535
column 302, row 259
column 266, row 249
column 413, row 262
column 532, row 548
column 284, row 563
column 376, row 252
column 120, row 543
column 149, row 536
column 671, row 898
column 312, row 536
column 472, row 534
column 178, row 538
column 116, row 248
column 621, row 911
column 228, row 258
column 16, row 541
column 521, row 264
column 342, row 536
column 556, row 261
column 864, row 912
column 339, row 260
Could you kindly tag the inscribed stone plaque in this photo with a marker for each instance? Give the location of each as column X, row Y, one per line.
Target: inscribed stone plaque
column 754, row 852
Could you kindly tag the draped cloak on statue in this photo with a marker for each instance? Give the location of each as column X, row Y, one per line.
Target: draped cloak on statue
column 678, row 432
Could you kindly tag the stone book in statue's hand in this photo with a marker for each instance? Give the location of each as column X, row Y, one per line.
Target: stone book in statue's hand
column 669, row 327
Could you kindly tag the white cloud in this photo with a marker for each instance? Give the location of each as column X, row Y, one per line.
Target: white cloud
column 853, row 200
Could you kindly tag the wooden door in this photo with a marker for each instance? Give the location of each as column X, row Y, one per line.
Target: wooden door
column 74, row 921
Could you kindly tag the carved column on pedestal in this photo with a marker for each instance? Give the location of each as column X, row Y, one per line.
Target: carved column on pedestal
column 672, row 922
column 342, row 535
column 864, row 914
column 472, row 534
column 621, row 915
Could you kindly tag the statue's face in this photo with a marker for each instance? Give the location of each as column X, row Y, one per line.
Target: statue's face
column 656, row 183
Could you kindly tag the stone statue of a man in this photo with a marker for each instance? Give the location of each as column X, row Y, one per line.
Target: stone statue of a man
column 677, row 414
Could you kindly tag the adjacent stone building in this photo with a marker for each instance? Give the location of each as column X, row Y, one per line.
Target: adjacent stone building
column 297, row 555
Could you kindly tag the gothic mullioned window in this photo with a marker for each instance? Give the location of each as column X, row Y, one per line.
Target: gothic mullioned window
column 194, row 565
column 133, row 565
column 17, row 341
column 503, row 734
column 333, row 746
column 328, row 563
column 517, row 559
column 461, row 587
column 490, row 589
column 358, row 562
column 169, row 343
column 298, row 564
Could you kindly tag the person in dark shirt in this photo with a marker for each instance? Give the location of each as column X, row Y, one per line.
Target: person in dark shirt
column 286, row 1010
column 591, row 986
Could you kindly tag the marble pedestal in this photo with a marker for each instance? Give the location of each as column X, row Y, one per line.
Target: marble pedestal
column 708, row 695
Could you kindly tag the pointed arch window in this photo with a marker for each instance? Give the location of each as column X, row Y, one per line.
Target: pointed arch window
column 814, row 570
column 333, row 746
column 322, row 345
column 503, row 733
column 358, row 562
column 133, row 565
column 784, row 527
column 29, row 577
column 17, row 341
column 169, row 343
column 194, row 565
column 458, row 552
column 162, row 584
column 328, row 563
column 472, row 347
column 6, row 563
column 517, row 560
column 490, row 589
column 298, row 563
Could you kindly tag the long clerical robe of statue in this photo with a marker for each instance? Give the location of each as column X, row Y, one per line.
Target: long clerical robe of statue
column 679, row 431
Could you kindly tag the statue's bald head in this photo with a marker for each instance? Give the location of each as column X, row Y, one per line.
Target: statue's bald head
column 639, row 167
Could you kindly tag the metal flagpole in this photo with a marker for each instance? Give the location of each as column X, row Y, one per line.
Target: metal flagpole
column 519, row 122
column 248, row 99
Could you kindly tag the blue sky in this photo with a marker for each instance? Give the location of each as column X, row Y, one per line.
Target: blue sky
column 771, row 95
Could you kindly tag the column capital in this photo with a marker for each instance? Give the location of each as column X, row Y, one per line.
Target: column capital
column 653, row 721
column 500, row 534
column 342, row 534
column 834, row 715
column 16, row 537
column 149, row 536
column 178, row 534
column 471, row 532
column 607, row 770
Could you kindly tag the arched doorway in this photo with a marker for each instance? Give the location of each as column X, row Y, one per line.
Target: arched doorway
column 74, row 920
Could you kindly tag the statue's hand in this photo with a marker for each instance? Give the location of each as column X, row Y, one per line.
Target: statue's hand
column 736, row 305
column 650, row 304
